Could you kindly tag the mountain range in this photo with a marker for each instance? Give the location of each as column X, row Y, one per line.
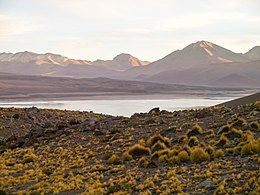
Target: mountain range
column 200, row 63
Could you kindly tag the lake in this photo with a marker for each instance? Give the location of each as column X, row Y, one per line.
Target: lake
column 121, row 107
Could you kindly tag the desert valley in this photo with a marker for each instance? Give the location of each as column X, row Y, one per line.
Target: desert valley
column 129, row 97
column 194, row 151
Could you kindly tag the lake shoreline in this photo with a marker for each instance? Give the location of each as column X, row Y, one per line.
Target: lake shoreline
column 122, row 97
column 122, row 107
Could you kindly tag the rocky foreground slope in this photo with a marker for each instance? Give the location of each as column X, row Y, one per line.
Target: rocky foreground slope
column 207, row 151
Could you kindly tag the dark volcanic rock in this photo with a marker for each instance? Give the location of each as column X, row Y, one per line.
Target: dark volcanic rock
column 154, row 111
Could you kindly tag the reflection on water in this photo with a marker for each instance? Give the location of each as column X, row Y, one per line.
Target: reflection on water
column 120, row 107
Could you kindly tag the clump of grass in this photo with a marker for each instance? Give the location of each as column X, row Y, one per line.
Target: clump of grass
column 158, row 146
column 127, row 156
column 183, row 139
column 154, row 139
column 202, row 144
column 199, row 155
column 193, row 141
column 174, row 160
column 139, row 150
column 239, row 122
column 142, row 162
column 209, row 134
column 163, row 158
column 223, row 141
column 29, row 158
column 196, row 129
column 187, row 148
column 224, row 129
column 252, row 147
column 114, row 159
column 183, row 156
column 219, row 153
column 172, row 152
column 163, row 152
column 234, row 133
column 210, row 150
column 248, row 136
column 141, row 142
column 255, row 125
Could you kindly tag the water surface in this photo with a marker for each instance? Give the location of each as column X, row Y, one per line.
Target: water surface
column 120, row 107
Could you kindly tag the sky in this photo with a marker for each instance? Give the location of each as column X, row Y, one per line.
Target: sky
column 147, row 29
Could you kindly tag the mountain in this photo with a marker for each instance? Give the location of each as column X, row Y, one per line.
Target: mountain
column 254, row 53
column 213, row 75
column 121, row 62
column 200, row 63
column 57, row 65
column 203, row 63
column 39, row 59
column 194, row 55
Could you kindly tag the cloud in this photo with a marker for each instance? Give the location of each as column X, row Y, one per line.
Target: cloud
column 13, row 25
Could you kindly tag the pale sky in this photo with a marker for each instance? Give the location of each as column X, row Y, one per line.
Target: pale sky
column 147, row 29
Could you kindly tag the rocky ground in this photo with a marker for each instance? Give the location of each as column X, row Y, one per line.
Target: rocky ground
column 207, row 151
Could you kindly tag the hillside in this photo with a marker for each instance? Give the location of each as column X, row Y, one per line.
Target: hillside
column 243, row 100
column 24, row 87
column 208, row 151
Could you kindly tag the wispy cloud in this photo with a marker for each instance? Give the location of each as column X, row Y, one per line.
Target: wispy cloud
column 12, row 25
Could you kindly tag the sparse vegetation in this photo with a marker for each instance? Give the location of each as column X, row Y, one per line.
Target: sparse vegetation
column 56, row 151
column 139, row 150
column 199, row 155
column 196, row 129
column 183, row 156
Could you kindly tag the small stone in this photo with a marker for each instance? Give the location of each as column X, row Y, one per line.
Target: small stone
column 154, row 110
column 98, row 132
column 16, row 116
column 206, row 183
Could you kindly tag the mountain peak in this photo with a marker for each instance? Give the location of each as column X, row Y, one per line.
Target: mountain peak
column 121, row 62
column 203, row 44
column 254, row 53
column 123, row 56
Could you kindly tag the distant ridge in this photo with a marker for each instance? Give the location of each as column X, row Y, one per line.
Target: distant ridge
column 244, row 100
column 201, row 63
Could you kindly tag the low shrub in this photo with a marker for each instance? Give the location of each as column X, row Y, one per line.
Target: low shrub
column 248, row 136
column 224, row 129
column 163, row 158
column 210, row 150
column 252, row 147
column 154, row 139
column 114, row 159
column 223, row 141
column 183, row 156
column 139, row 150
column 174, row 160
column 142, row 162
column 29, row 158
column 255, row 125
column 158, row 146
column 196, row 129
column 199, row 155
column 193, row 141
column 172, row 152
column 163, row 152
column 187, row 148
column 127, row 156
column 219, row 153
column 234, row 133
column 239, row 122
